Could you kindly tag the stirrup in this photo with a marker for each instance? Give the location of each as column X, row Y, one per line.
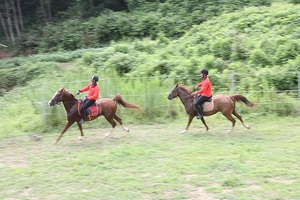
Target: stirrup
column 199, row 116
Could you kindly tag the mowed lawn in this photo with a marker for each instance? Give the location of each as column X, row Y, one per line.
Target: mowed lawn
column 155, row 162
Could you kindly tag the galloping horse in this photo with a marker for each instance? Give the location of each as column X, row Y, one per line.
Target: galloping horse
column 106, row 107
column 223, row 103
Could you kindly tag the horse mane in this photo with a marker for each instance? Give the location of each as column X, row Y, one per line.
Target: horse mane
column 67, row 92
column 185, row 88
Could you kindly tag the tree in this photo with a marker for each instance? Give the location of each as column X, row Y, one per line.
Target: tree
column 9, row 23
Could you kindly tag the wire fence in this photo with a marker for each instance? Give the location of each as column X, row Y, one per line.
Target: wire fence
column 143, row 90
column 151, row 94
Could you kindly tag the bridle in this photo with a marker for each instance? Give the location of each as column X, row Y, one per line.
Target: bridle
column 59, row 96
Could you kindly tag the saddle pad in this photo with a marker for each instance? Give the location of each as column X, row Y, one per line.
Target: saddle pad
column 208, row 106
column 93, row 110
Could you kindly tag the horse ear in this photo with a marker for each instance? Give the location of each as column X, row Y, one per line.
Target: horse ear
column 176, row 85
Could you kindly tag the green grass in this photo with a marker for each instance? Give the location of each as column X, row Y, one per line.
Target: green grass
column 155, row 162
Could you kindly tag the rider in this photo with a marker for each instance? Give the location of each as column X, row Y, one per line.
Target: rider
column 91, row 98
column 204, row 93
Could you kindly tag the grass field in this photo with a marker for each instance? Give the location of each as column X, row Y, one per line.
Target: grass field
column 155, row 162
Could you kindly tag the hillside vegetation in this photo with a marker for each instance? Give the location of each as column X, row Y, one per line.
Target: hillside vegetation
column 50, row 26
column 259, row 45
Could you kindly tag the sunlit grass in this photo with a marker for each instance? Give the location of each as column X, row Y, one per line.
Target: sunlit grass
column 155, row 162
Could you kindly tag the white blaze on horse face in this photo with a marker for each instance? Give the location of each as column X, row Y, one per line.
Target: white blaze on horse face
column 52, row 98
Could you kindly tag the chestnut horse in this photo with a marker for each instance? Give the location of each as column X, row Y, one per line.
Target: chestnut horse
column 223, row 103
column 106, row 107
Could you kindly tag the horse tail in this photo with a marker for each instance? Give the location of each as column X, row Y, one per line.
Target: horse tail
column 241, row 98
column 125, row 104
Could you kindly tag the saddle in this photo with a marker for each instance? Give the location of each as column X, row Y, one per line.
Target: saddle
column 208, row 105
column 91, row 111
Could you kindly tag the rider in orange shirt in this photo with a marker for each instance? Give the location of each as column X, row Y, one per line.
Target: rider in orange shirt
column 91, row 98
column 204, row 93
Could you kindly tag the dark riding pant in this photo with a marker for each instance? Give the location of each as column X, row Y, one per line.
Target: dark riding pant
column 198, row 103
column 85, row 105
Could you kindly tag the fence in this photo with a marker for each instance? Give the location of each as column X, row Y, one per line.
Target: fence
column 151, row 94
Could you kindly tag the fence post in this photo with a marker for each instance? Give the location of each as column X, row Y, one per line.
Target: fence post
column 232, row 84
column 299, row 90
column 169, row 102
column 44, row 103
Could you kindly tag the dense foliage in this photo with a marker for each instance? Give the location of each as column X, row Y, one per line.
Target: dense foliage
column 80, row 24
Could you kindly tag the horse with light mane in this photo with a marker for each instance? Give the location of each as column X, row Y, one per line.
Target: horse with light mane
column 220, row 103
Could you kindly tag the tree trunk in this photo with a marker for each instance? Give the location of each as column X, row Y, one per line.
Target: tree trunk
column 49, row 11
column 4, row 28
column 20, row 14
column 9, row 23
column 44, row 13
column 15, row 17
column 91, row 3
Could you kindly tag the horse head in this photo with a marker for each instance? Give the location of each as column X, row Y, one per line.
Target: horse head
column 174, row 93
column 180, row 91
column 60, row 96
column 57, row 97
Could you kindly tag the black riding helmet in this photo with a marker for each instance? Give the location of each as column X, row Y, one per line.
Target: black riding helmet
column 95, row 78
column 204, row 71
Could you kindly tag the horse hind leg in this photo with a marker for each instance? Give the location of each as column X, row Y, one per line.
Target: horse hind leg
column 121, row 123
column 112, row 122
column 240, row 118
column 230, row 118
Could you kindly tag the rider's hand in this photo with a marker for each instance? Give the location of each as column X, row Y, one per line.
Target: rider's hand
column 85, row 98
column 78, row 91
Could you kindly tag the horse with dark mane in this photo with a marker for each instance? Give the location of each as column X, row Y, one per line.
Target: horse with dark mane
column 106, row 107
column 220, row 103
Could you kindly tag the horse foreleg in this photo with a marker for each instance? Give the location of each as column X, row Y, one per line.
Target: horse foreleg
column 81, row 132
column 240, row 118
column 64, row 130
column 204, row 122
column 188, row 125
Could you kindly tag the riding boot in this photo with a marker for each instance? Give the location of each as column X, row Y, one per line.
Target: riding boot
column 83, row 114
column 200, row 112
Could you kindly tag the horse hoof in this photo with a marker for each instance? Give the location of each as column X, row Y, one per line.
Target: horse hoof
column 80, row 138
column 182, row 132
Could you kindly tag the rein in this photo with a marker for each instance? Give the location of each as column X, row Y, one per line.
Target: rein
column 184, row 97
column 65, row 102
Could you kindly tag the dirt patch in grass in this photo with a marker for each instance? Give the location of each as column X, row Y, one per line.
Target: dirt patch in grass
column 198, row 193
